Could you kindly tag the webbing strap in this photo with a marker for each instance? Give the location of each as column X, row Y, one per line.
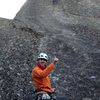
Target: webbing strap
column 40, row 92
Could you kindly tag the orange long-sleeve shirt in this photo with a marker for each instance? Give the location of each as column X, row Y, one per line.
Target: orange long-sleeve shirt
column 41, row 79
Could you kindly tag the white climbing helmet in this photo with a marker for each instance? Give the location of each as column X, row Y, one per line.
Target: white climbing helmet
column 43, row 56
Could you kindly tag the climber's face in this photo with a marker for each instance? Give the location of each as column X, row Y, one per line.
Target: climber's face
column 42, row 62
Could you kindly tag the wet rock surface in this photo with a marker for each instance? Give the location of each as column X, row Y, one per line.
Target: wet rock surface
column 68, row 29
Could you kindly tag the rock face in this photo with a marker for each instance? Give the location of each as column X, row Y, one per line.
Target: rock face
column 3, row 22
column 68, row 29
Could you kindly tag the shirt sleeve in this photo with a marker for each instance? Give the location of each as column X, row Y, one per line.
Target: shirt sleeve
column 43, row 73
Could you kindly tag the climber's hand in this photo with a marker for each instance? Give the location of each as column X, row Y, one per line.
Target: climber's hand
column 53, row 89
column 55, row 60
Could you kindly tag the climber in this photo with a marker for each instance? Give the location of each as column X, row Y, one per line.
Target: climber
column 41, row 80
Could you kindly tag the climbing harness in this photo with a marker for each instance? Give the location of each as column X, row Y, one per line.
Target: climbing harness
column 42, row 95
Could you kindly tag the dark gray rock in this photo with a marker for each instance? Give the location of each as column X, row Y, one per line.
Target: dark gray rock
column 68, row 29
column 18, row 47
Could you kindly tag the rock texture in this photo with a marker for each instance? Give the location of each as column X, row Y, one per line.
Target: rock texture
column 3, row 22
column 68, row 29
